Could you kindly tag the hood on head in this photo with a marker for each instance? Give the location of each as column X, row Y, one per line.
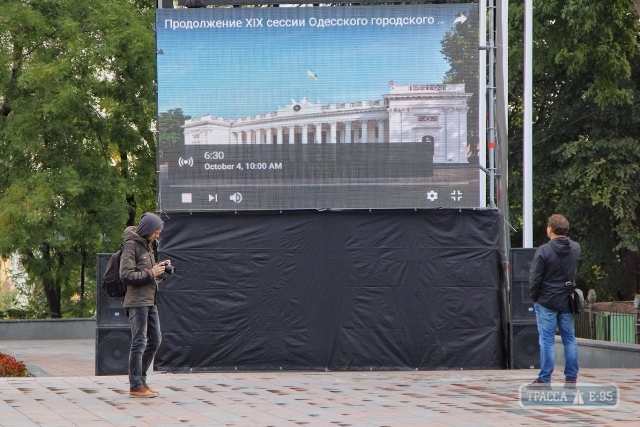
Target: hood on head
column 149, row 223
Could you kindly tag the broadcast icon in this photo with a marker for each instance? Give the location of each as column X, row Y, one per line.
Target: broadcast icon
column 188, row 162
column 236, row 197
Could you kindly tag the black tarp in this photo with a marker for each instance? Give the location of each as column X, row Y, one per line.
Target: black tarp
column 332, row 290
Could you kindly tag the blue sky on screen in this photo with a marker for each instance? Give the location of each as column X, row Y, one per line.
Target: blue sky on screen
column 235, row 72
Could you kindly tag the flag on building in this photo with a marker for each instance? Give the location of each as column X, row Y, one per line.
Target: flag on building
column 311, row 74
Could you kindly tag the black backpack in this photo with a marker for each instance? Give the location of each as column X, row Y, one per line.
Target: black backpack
column 111, row 282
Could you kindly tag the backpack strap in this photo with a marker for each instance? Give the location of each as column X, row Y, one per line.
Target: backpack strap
column 571, row 285
column 567, row 281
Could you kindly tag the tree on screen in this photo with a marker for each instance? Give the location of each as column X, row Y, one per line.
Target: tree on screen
column 460, row 48
column 171, row 134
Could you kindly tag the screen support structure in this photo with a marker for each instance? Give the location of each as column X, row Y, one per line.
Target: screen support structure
column 491, row 101
column 491, row 105
column 165, row 4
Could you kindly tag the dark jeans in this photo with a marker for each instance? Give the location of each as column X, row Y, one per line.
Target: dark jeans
column 145, row 340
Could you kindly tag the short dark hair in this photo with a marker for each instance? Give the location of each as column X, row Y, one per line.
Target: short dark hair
column 559, row 224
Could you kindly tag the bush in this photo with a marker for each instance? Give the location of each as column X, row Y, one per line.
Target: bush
column 10, row 367
column 15, row 313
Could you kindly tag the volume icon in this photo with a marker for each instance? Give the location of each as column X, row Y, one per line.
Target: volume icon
column 236, row 197
column 188, row 162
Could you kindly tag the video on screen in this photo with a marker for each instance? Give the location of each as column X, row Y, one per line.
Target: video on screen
column 359, row 107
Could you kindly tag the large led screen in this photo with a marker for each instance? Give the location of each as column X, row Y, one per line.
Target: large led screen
column 330, row 107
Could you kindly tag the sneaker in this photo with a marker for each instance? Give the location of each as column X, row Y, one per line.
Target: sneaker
column 570, row 383
column 539, row 385
column 144, row 385
column 142, row 392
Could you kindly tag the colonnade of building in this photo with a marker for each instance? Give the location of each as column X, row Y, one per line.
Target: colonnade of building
column 347, row 132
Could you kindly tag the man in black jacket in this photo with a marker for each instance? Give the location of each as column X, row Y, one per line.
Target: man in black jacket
column 140, row 272
column 551, row 278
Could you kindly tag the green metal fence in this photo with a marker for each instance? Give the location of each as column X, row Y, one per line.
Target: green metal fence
column 608, row 326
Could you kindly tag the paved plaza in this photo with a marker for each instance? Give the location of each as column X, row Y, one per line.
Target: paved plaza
column 65, row 392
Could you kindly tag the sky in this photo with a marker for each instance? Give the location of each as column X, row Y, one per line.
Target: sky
column 236, row 72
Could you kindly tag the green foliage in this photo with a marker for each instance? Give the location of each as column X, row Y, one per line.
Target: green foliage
column 36, row 303
column 606, row 173
column 586, row 146
column 77, row 153
column 586, row 38
column 8, row 302
column 76, row 306
column 171, row 133
column 460, row 48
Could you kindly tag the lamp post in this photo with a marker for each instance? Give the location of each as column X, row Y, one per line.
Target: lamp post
column 591, row 297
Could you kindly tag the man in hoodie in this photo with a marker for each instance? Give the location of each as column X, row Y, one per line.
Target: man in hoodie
column 140, row 272
column 551, row 278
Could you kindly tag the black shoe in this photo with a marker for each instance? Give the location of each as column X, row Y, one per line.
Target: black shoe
column 538, row 384
column 570, row 383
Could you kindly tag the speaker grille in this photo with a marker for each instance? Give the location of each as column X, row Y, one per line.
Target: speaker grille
column 521, row 305
column 112, row 351
column 521, row 302
column 525, row 348
column 520, row 260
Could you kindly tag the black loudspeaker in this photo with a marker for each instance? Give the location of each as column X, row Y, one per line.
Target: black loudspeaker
column 109, row 311
column 521, row 305
column 520, row 261
column 112, row 351
column 524, row 347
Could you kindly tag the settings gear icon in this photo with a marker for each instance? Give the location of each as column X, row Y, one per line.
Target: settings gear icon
column 432, row 196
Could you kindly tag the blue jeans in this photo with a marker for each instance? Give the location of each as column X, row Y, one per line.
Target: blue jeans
column 145, row 340
column 547, row 321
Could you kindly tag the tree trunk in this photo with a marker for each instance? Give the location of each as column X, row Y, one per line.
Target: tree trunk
column 51, row 286
column 52, row 292
column 83, row 253
column 630, row 262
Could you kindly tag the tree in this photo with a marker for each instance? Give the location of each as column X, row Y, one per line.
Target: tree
column 585, row 132
column 171, row 134
column 77, row 101
column 460, row 48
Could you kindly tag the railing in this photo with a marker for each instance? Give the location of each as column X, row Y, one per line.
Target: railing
column 608, row 325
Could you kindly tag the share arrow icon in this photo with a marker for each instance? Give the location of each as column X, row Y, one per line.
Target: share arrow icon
column 460, row 19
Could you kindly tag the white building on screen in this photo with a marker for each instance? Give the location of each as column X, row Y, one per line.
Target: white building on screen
column 411, row 113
